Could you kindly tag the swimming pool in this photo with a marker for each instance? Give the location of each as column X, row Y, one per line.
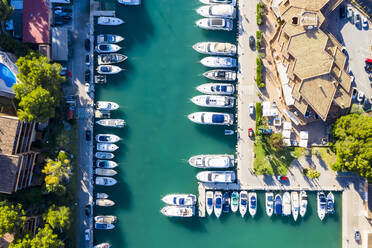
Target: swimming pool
column 7, row 76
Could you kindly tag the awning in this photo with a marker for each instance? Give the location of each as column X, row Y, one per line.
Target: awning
column 304, row 135
column 287, row 125
column 292, row 117
column 59, row 44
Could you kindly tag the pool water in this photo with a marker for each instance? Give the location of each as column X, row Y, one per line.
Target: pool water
column 7, row 76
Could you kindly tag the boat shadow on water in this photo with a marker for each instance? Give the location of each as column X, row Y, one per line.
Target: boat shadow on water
column 194, row 224
column 217, row 132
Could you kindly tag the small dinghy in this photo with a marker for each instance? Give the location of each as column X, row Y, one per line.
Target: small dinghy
column 106, row 164
column 109, row 21
column 102, row 245
column 216, row 89
column 108, row 138
column 220, row 75
column 105, row 203
column 252, row 203
column 107, row 48
column 109, row 38
column 218, row 62
column 269, row 196
column 105, row 181
column 330, row 203
column 102, row 196
column 179, row 199
column 234, row 201
column 105, row 172
column 243, row 203
column 229, row 132
column 105, row 219
column 217, row 203
column 303, row 203
column 106, row 106
column 209, row 201
column 106, row 147
column 100, row 226
column 104, row 155
column 215, row 48
column 111, row 58
column 130, row 2
column 278, row 205
column 178, row 211
column 111, row 123
column 213, row 101
column 215, row 24
column 108, row 69
column 100, row 79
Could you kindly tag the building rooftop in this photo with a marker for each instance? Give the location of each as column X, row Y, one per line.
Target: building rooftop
column 313, row 5
column 36, row 21
column 9, row 172
column 9, row 129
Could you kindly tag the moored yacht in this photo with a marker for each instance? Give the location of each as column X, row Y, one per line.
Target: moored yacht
column 234, row 201
column 243, row 203
column 109, row 38
column 106, row 106
column 211, row 118
column 218, row 161
column 106, row 181
column 104, row 226
column 107, row 48
column 215, row 24
column 214, row 101
column 209, row 202
column 108, row 69
column 216, row 89
column 105, row 203
column 217, row 203
column 102, row 245
column 269, row 197
column 111, row 123
column 106, row 147
column 321, row 205
column 105, row 219
column 295, row 205
column 330, row 203
column 104, row 155
column 108, row 138
column 252, row 199
column 180, row 199
column 216, row 176
column 303, row 203
column 218, row 62
column 278, row 204
column 109, row 21
column 220, row 75
column 105, row 172
column 106, row 164
column 217, row 10
column 226, row 202
column 130, row 2
column 215, row 48
column 286, row 204
column 232, row 2
column 178, row 211
column 111, row 58
column 102, row 196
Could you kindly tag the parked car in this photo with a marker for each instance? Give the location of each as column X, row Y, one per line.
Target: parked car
column 252, row 42
column 360, row 97
column 87, row 210
column 87, row 44
column 342, row 12
column 354, row 94
column 87, row 60
column 365, row 22
column 366, row 104
column 350, row 13
column 87, row 234
column 357, row 19
column 250, row 133
column 368, row 61
column 251, row 108
column 357, row 235
column 88, row 135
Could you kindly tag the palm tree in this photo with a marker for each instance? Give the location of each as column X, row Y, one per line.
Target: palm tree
column 5, row 12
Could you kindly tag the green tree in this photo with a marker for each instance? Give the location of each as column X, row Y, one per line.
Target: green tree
column 5, row 12
column 45, row 238
column 25, row 242
column 38, row 106
column 56, row 171
column 276, row 141
column 58, row 218
column 311, row 173
column 12, row 217
column 353, row 146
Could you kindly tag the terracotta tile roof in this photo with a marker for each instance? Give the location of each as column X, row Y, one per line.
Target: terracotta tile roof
column 9, row 126
column 36, row 21
column 9, row 172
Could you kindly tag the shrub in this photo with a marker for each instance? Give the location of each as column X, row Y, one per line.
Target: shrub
column 258, row 115
column 259, row 82
column 13, row 46
column 311, row 173
column 260, row 11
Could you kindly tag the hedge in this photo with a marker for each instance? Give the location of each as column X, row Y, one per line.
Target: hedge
column 258, row 40
column 260, row 12
column 259, row 82
column 258, row 115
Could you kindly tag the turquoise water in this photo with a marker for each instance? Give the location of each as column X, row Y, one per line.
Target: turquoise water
column 7, row 75
column 154, row 92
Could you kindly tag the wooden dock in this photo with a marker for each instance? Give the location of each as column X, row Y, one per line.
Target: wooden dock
column 201, row 200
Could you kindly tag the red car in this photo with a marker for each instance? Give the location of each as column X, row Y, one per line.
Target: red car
column 368, row 61
column 250, row 132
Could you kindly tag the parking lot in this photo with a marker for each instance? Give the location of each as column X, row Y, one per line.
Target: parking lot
column 357, row 41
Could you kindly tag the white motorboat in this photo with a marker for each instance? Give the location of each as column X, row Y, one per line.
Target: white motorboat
column 105, row 172
column 105, row 203
column 215, row 24
column 104, row 226
column 178, row 211
column 106, row 147
column 303, row 203
column 108, row 69
column 232, row 2
column 106, row 181
column 106, row 164
column 295, row 205
column 130, row 2
column 104, row 155
column 234, row 201
column 217, row 203
column 218, row 62
column 179, row 199
column 111, row 123
column 102, row 245
column 214, row 101
column 218, row 161
column 109, row 38
column 252, row 197
column 269, row 196
column 243, row 203
column 108, row 138
column 220, row 75
column 211, row 118
column 209, row 201
column 216, row 176
column 106, row 106
column 109, row 21
column 217, row 10
column 216, row 89
column 286, row 210
column 105, row 219
column 330, row 203
column 107, row 48
column 215, row 48
column 102, row 196
column 322, row 205
column 111, row 58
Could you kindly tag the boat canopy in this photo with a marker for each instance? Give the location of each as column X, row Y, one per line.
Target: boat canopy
column 217, row 22
column 217, row 118
column 219, row 162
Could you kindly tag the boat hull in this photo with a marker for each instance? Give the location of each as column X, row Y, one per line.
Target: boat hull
column 217, row 206
column 209, row 202
column 243, row 201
